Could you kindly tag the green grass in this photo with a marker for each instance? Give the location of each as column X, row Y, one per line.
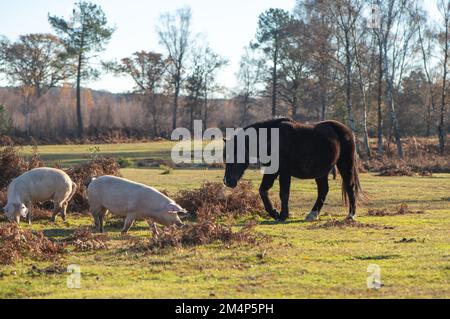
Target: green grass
column 67, row 155
column 300, row 262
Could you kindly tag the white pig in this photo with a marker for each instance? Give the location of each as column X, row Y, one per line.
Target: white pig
column 131, row 200
column 39, row 185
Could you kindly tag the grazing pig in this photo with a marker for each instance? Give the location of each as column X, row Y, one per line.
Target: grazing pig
column 39, row 185
column 130, row 200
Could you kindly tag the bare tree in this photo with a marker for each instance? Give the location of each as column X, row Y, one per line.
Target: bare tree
column 320, row 30
column 35, row 63
column 395, row 33
column 346, row 14
column 201, row 81
column 249, row 77
column 147, row 69
column 427, row 37
column 444, row 39
column 175, row 34
column 365, row 64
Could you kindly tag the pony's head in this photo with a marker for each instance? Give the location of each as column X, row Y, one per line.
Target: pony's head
column 236, row 162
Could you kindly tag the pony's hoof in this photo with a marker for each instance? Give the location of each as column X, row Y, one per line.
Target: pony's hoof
column 274, row 214
column 282, row 218
column 350, row 218
column 312, row 216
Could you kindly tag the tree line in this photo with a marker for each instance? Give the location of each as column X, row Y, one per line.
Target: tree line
column 379, row 66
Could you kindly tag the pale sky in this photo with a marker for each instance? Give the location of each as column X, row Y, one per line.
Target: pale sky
column 229, row 25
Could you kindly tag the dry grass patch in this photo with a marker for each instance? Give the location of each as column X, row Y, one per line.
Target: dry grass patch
column 84, row 240
column 82, row 174
column 204, row 231
column 239, row 201
column 17, row 244
column 346, row 223
column 400, row 210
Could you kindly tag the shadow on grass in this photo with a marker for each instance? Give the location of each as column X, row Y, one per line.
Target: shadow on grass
column 376, row 257
column 277, row 222
column 58, row 232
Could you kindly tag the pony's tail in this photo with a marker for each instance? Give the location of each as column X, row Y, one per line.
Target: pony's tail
column 348, row 168
column 351, row 183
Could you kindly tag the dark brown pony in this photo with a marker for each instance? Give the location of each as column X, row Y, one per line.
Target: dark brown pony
column 305, row 152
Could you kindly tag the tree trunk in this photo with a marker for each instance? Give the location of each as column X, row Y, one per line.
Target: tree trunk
column 390, row 104
column 205, row 105
column 431, row 104
column 274, row 83
column 80, row 130
column 294, row 106
column 323, row 101
column 379, row 111
column 175, row 99
column 441, row 127
column 348, row 88
column 154, row 114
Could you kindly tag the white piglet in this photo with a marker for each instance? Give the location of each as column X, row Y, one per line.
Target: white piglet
column 39, row 185
column 131, row 200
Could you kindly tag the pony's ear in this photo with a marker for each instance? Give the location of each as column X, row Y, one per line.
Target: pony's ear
column 16, row 206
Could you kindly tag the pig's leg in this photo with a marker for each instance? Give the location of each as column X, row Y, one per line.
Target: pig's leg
column 95, row 213
column 30, row 212
column 57, row 208
column 101, row 216
column 152, row 226
column 128, row 223
column 64, row 210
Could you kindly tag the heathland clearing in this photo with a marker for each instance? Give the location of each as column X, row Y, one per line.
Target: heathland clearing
column 412, row 250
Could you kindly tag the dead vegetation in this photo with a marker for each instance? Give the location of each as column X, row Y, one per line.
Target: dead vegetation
column 346, row 223
column 400, row 210
column 240, row 201
column 84, row 240
column 82, row 174
column 50, row 270
column 421, row 157
column 205, row 230
column 16, row 244
column 13, row 165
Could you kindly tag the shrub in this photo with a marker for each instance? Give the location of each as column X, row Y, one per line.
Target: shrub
column 16, row 244
column 241, row 200
column 166, row 170
column 82, row 174
column 124, row 162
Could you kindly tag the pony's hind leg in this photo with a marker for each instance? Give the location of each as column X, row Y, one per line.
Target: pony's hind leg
column 266, row 185
column 348, row 189
column 322, row 192
column 285, row 188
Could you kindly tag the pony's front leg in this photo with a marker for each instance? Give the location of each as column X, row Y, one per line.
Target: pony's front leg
column 266, row 185
column 285, row 188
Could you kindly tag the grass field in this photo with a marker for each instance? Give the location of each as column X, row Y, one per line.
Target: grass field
column 413, row 252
